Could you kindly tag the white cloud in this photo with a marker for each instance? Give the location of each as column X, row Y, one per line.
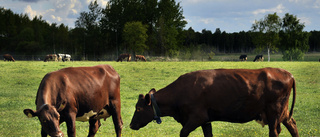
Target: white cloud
column 305, row 20
column 279, row 9
column 74, row 11
column 316, row 4
column 202, row 1
column 207, row 20
column 301, row 1
column 53, row 17
column 103, row 3
column 30, row 12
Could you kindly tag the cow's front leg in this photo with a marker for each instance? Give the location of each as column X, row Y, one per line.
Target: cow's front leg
column 94, row 126
column 43, row 133
column 71, row 124
column 187, row 129
column 207, row 130
column 193, row 121
column 116, row 116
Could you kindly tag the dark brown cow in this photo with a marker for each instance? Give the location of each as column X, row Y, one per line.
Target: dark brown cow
column 51, row 57
column 8, row 57
column 82, row 94
column 123, row 56
column 232, row 95
column 140, row 57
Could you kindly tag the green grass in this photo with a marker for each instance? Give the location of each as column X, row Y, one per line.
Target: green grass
column 19, row 82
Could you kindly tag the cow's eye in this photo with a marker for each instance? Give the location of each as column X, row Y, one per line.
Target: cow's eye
column 139, row 109
column 44, row 121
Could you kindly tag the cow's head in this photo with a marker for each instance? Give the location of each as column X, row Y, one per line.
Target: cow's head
column 49, row 118
column 144, row 111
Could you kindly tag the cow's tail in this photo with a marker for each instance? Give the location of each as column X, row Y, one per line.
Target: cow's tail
column 293, row 99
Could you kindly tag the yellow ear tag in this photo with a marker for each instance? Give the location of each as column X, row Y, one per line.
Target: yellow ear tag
column 61, row 106
column 30, row 115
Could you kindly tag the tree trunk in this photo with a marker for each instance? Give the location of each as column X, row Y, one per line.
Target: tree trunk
column 268, row 53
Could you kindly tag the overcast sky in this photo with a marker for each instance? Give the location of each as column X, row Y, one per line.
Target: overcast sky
column 228, row 15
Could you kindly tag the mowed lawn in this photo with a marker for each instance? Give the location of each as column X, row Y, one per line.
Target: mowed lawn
column 19, row 82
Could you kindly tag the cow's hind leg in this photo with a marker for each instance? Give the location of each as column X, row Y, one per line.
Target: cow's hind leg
column 94, row 126
column 278, row 129
column 292, row 127
column 273, row 128
column 273, row 115
column 207, row 130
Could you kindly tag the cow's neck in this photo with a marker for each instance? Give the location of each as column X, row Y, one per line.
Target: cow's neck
column 44, row 98
column 165, row 102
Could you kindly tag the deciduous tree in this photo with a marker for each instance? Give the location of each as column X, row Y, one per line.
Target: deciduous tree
column 268, row 32
column 294, row 42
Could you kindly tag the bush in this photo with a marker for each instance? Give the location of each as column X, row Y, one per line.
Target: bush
column 293, row 54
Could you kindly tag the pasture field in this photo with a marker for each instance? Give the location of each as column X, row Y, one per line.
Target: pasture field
column 19, row 82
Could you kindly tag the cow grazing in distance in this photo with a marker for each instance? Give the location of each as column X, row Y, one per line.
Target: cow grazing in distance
column 64, row 57
column 123, row 56
column 258, row 58
column 232, row 95
column 243, row 57
column 8, row 57
column 78, row 94
column 51, row 57
column 140, row 57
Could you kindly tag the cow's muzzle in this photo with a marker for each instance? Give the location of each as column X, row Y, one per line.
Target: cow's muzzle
column 134, row 127
column 59, row 134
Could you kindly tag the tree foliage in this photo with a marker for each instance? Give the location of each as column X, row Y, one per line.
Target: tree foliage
column 135, row 36
column 294, row 42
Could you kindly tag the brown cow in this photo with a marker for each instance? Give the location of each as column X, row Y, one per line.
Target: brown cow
column 51, row 57
column 123, row 56
column 78, row 93
column 8, row 57
column 140, row 57
column 232, row 95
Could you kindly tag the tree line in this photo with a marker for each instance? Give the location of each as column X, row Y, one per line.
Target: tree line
column 149, row 27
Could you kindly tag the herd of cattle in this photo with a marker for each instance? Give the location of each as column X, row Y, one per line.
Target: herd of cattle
column 67, row 57
column 195, row 99
column 57, row 57
column 128, row 57
column 49, row 57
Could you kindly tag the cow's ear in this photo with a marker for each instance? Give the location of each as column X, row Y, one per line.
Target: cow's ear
column 152, row 91
column 29, row 113
column 141, row 96
column 148, row 99
column 62, row 105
